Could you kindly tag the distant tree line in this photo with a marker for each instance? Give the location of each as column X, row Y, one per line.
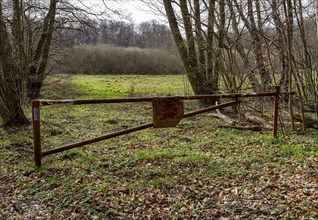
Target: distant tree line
column 118, row 47
column 149, row 34
column 108, row 59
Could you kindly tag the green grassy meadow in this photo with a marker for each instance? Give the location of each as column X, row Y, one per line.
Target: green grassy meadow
column 197, row 170
column 115, row 86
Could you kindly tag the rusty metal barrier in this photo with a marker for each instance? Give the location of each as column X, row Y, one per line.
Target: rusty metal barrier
column 167, row 112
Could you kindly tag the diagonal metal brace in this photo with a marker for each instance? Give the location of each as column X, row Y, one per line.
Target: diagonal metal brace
column 130, row 130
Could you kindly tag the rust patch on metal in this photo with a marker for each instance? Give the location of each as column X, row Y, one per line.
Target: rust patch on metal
column 167, row 112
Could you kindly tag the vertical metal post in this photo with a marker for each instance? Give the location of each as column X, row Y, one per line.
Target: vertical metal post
column 275, row 113
column 36, row 125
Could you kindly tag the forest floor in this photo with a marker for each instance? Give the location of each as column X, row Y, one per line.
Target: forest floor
column 198, row 170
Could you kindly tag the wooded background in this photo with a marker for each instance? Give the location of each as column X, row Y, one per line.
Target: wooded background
column 241, row 44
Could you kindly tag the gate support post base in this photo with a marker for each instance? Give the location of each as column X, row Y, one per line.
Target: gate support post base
column 275, row 113
column 36, row 130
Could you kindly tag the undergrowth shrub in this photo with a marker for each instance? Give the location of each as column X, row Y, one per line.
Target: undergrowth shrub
column 107, row 59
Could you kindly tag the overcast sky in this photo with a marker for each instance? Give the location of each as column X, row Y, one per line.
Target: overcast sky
column 138, row 11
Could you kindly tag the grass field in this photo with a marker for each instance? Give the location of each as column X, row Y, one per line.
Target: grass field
column 115, row 86
column 197, row 170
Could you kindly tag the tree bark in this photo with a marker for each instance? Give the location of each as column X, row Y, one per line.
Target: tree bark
column 256, row 33
column 10, row 106
column 241, row 50
column 281, row 46
column 40, row 59
column 317, row 16
column 202, row 80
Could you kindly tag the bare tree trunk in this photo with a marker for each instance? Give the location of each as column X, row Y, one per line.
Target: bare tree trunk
column 317, row 16
column 199, row 67
column 281, row 46
column 17, row 33
column 241, row 51
column 219, row 64
column 199, row 34
column 287, row 4
column 10, row 107
column 210, row 57
column 187, row 59
column 40, row 59
column 256, row 31
column 309, row 91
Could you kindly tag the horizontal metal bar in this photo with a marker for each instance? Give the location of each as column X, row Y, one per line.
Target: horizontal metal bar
column 94, row 140
column 149, row 99
column 212, row 108
column 94, row 101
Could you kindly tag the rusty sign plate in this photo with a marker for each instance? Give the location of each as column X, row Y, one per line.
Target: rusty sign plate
column 167, row 112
